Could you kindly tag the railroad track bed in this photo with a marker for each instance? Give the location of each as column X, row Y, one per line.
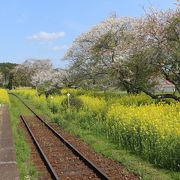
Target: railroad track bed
column 66, row 164
column 35, row 156
column 65, row 157
column 113, row 169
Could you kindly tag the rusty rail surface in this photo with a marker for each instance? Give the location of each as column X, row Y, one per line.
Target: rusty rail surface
column 88, row 163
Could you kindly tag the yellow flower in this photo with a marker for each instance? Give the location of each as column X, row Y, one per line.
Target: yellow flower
column 4, row 98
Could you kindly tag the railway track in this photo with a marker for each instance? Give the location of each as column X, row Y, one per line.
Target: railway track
column 61, row 158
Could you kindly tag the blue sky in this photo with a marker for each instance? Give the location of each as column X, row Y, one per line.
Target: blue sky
column 44, row 29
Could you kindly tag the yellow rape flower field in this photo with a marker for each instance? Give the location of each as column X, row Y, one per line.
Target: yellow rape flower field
column 92, row 103
column 150, row 130
column 137, row 123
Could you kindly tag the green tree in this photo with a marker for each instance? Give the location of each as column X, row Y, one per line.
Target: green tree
column 5, row 70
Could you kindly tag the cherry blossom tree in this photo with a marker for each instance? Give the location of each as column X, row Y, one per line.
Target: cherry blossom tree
column 23, row 73
column 94, row 54
column 40, row 74
column 128, row 52
column 161, row 33
column 48, row 81
column 101, row 57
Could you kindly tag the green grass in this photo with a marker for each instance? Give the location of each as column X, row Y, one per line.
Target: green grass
column 24, row 163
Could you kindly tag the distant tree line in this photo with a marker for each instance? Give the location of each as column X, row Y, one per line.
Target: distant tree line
column 40, row 74
column 37, row 73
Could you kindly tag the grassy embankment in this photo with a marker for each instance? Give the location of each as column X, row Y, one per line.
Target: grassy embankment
column 25, row 166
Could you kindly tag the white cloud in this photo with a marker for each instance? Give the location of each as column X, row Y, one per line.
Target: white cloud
column 58, row 48
column 45, row 36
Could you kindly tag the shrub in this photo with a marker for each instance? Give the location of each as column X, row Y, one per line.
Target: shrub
column 54, row 103
column 74, row 102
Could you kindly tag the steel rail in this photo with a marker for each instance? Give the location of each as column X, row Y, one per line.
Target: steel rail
column 43, row 156
column 90, row 164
